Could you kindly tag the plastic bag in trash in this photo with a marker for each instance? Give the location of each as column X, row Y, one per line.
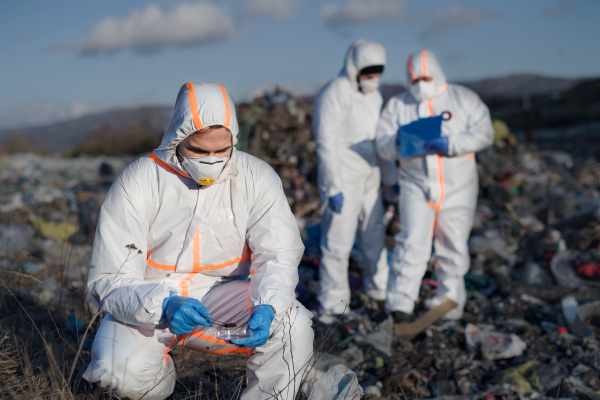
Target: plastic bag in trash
column 74, row 324
column 338, row 383
column 380, row 339
column 494, row 345
column 562, row 270
column 59, row 231
column 535, row 274
column 584, row 314
column 14, row 238
column 569, row 308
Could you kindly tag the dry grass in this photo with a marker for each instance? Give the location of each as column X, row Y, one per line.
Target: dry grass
column 35, row 354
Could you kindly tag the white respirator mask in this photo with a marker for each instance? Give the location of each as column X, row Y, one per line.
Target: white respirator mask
column 204, row 170
column 423, row 90
column 369, row 85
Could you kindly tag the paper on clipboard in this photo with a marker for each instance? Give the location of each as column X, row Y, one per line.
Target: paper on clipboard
column 413, row 136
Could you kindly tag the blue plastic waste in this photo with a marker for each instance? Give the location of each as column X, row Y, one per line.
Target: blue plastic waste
column 26, row 268
column 74, row 324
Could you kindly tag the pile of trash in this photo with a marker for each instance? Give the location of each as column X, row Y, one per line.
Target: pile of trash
column 49, row 207
column 531, row 326
column 277, row 129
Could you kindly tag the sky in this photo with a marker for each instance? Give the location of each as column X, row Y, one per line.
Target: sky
column 62, row 59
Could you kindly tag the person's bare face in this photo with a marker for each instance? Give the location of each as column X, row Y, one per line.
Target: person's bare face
column 369, row 76
column 215, row 143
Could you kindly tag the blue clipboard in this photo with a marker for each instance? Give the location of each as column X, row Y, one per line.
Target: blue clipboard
column 413, row 136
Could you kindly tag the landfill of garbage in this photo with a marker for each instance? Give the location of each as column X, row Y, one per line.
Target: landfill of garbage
column 531, row 326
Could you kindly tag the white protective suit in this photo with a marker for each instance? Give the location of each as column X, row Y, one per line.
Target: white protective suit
column 233, row 246
column 438, row 193
column 345, row 125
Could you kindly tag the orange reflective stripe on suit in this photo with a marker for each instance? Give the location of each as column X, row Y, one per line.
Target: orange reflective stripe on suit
column 168, row 348
column 437, row 206
column 227, row 109
column 239, row 350
column 194, row 106
column 231, row 350
column 410, row 68
column 154, row 264
column 197, row 268
column 166, row 166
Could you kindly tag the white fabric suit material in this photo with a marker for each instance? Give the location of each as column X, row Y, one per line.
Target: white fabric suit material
column 438, row 193
column 233, row 245
column 344, row 125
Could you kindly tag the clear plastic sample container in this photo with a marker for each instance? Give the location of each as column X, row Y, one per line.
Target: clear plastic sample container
column 234, row 333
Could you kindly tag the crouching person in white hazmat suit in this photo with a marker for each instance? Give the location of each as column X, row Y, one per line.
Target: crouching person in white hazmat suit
column 214, row 243
column 349, row 177
column 439, row 188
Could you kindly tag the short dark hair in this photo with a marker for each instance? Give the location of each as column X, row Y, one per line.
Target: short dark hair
column 373, row 69
column 209, row 129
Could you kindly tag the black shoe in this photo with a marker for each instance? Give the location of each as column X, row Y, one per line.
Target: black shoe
column 402, row 317
column 378, row 316
column 380, row 304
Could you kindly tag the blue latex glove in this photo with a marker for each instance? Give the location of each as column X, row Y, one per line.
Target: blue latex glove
column 439, row 144
column 260, row 324
column 337, row 202
column 183, row 314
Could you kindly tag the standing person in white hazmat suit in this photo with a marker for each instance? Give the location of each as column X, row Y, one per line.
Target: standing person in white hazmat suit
column 196, row 236
column 349, row 176
column 438, row 189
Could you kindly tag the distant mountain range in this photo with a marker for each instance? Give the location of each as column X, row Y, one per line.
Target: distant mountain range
column 521, row 85
column 62, row 136
column 506, row 87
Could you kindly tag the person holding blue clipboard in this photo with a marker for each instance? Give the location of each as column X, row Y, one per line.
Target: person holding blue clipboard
column 433, row 130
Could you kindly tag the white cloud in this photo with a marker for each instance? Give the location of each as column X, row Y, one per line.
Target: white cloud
column 151, row 29
column 458, row 17
column 355, row 12
column 562, row 9
column 274, row 9
column 41, row 112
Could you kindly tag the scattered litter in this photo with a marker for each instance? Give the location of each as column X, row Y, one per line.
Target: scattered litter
column 14, row 239
column 562, row 270
column 411, row 384
column 411, row 330
column 494, row 345
column 569, row 309
column 59, row 231
column 373, row 390
column 580, row 369
column 74, row 324
column 380, row 339
column 587, row 321
column 338, row 383
column 521, row 377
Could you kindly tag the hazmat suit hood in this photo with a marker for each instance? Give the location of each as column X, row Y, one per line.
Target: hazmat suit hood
column 362, row 54
column 424, row 64
column 199, row 105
